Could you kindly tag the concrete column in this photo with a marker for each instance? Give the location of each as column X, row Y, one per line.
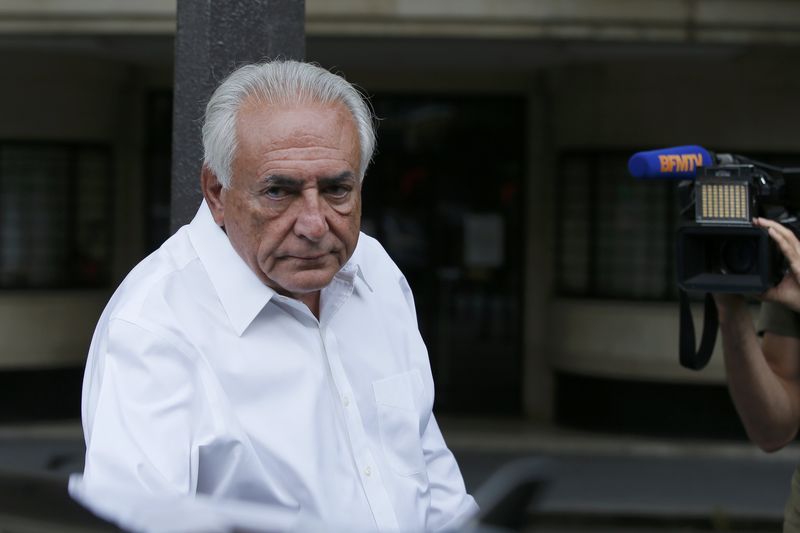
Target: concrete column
column 213, row 38
column 538, row 388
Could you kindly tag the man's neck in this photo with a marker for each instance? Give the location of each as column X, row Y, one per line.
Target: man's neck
column 311, row 300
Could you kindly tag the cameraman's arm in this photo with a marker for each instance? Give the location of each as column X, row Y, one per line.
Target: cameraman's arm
column 764, row 380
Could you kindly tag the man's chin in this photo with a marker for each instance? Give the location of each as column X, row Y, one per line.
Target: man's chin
column 306, row 282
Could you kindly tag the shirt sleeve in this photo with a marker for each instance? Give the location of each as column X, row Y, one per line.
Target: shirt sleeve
column 451, row 506
column 143, row 416
column 778, row 319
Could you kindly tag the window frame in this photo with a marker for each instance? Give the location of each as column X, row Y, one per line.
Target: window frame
column 74, row 150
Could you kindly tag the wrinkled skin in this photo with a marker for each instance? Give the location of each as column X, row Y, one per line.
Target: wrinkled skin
column 293, row 209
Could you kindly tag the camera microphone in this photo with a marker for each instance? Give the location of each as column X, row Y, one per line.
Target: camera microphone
column 678, row 162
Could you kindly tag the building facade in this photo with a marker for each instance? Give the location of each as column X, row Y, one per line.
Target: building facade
column 543, row 273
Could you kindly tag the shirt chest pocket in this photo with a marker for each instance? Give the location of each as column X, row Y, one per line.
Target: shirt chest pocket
column 398, row 421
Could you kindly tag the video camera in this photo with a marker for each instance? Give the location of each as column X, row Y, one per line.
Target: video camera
column 718, row 248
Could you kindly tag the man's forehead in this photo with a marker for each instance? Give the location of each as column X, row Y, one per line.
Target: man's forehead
column 295, row 140
column 288, row 124
column 259, row 107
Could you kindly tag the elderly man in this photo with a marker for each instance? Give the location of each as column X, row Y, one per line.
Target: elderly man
column 268, row 352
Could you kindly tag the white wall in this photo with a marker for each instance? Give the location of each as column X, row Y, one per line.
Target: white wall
column 723, row 98
column 48, row 96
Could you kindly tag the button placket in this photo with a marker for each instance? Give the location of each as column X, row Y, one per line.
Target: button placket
column 374, row 489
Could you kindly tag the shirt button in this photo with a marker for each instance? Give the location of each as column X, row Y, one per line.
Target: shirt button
column 368, row 471
column 346, row 401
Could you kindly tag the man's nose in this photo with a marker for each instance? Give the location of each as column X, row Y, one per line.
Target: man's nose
column 311, row 223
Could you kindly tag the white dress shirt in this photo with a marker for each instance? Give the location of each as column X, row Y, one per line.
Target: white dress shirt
column 203, row 380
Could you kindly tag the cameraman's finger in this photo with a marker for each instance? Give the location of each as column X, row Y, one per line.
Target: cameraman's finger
column 766, row 223
column 790, row 252
column 783, row 236
column 786, row 241
column 779, row 228
column 789, row 249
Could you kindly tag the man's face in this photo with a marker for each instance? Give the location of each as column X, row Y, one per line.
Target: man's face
column 293, row 209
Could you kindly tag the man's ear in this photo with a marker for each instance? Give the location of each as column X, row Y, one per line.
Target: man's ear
column 212, row 192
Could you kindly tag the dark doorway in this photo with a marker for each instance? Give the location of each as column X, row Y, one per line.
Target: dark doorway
column 158, row 164
column 444, row 196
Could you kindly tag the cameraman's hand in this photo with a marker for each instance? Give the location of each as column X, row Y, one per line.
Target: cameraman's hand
column 787, row 292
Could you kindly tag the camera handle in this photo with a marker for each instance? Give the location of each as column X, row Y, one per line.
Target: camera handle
column 699, row 359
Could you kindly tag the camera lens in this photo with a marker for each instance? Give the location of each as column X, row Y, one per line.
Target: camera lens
column 738, row 256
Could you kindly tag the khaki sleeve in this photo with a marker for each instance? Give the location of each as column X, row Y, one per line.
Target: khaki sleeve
column 778, row 319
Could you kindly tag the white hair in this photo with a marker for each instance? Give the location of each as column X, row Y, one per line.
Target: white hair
column 282, row 82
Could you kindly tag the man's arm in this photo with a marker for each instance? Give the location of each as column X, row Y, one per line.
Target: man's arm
column 451, row 506
column 146, row 418
column 140, row 419
column 763, row 379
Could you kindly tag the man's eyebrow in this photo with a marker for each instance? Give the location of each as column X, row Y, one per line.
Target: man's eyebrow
column 280, row 180
column 337, row 179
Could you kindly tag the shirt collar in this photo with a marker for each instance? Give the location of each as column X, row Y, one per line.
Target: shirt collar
column 353, row 269
column 360, row 274
column 242, row 293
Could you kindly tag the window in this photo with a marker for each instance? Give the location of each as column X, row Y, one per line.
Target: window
column 55, row 224
column 615, row 234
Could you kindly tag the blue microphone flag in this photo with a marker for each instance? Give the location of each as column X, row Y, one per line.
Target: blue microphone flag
column 678, row 162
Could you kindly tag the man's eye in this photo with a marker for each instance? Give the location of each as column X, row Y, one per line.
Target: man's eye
column 275, row 193
column 337, row 191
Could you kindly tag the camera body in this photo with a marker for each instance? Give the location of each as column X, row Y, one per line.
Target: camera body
column 719, row 250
